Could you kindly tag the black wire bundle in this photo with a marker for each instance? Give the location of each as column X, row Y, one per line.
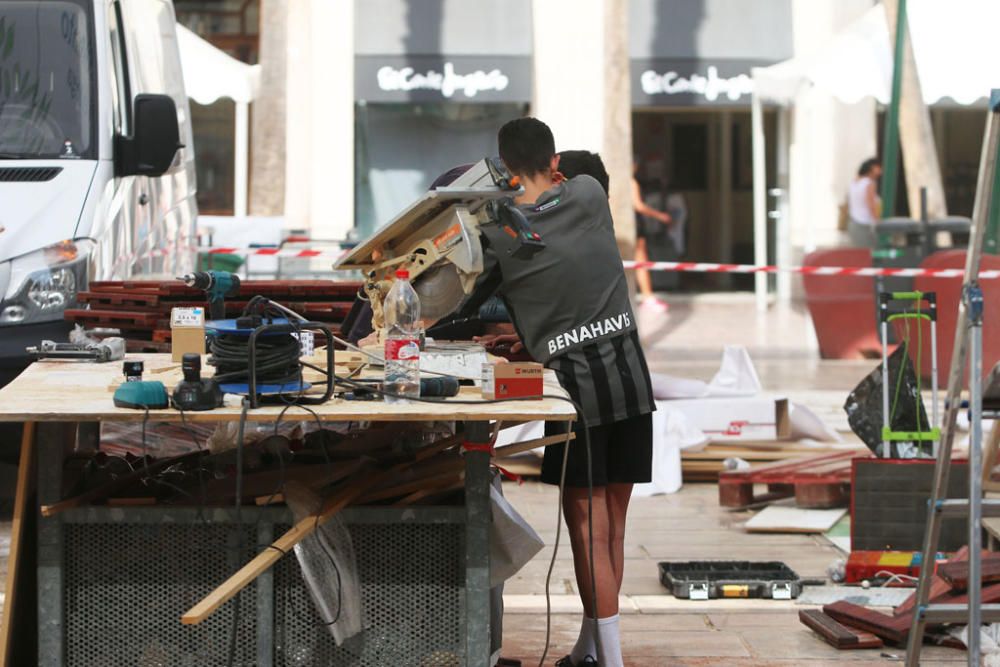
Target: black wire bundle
column 277, row 359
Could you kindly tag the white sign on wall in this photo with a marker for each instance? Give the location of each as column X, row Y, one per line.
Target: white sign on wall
column 447, row 82
column 710, row 86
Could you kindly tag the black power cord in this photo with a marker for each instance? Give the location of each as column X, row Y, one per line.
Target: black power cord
column 562, row 483
column 277, row 359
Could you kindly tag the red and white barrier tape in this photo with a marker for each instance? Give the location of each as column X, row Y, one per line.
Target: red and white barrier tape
column 682, row 267
column 705, row 267
column 303, row 253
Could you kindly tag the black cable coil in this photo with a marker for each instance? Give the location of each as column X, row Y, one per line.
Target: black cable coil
column 277, row 359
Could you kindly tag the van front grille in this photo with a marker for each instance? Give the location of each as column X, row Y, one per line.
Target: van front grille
column 28, row 174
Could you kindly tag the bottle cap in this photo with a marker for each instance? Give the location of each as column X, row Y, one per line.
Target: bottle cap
column 403, row 273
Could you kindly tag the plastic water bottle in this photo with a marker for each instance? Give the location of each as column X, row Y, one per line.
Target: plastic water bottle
column 402, row 340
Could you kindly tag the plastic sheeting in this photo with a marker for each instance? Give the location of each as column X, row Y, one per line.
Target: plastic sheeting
column 329, row 567
column 864, row 406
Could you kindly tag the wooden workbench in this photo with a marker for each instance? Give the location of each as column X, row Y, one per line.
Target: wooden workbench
column 67, row 401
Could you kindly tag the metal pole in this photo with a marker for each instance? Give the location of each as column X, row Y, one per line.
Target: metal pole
column 935, row 398
column 886, row 453
column 759, row 200
column 974, row 304
column 890, row 144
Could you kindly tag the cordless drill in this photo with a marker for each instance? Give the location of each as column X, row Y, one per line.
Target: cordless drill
column 217, row 285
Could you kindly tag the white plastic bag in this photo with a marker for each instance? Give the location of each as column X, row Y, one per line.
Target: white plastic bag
column 513, row 542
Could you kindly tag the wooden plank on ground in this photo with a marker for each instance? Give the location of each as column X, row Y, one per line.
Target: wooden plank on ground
column 892, row 629
column 837, row 634
column 956, row 573
column 25, row 484
column 778, row 519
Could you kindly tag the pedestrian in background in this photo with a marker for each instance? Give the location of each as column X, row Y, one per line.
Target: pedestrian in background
column 650, row 223
column 863, row 204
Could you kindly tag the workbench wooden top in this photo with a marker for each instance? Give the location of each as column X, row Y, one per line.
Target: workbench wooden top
column 82, row 391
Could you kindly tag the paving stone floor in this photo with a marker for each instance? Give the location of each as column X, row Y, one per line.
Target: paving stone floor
column 657, row 628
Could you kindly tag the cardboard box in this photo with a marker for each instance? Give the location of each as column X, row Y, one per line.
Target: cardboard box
column 737, row 419
column 187, row 332
column 513, row 380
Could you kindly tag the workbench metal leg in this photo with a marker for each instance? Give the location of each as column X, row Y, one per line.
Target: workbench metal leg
column 265, row 602
column 477, row 547
column 52, row 443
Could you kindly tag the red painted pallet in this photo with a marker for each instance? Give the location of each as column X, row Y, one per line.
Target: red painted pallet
column 324, row 311
column 118, row 319
column 248, row 288
column 815, row 482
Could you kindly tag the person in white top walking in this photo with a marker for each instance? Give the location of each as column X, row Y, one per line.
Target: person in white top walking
column 863, row 204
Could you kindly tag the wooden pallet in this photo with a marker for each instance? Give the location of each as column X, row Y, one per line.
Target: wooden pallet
column 816, row 482
column 248, row 288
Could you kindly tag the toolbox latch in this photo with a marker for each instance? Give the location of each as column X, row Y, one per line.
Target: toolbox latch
column 781, row 591
column 698, row 591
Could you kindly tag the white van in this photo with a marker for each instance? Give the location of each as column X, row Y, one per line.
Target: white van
column 97, row 177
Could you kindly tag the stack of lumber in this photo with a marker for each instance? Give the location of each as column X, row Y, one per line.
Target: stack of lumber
column 706, row 464
column 850, row 626
column 141, row 309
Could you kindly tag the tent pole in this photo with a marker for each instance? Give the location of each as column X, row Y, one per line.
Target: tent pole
column 890, row 144
column 759, row 200
column 241, row 159
column 783, row 253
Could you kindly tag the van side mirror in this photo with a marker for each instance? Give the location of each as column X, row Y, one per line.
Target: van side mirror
column 155, row 138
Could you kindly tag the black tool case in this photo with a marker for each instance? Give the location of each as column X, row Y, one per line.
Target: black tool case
column 712, row 579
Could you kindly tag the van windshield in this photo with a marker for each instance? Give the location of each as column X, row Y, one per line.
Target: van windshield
column 47, row 101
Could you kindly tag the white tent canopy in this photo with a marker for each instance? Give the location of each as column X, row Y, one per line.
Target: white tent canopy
column 211, row 74
column 953, row 44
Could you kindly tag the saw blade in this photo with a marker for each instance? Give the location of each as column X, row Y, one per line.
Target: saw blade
column 440, row 291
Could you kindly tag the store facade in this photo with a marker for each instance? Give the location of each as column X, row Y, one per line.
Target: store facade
column 691, row 124
column 432, row 85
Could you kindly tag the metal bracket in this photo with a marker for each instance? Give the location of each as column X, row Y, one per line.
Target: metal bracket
column 781, row 591
column 698, row 591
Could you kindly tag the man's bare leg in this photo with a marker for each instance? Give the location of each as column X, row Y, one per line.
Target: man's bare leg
column 617, row 496
column 599, row 634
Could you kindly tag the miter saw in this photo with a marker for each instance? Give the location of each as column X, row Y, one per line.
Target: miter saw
column 436, row 239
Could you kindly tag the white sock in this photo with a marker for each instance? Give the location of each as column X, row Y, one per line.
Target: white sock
column 609, row 651
column 585, row 644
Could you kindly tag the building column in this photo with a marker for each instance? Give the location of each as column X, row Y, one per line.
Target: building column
column 582, row 90
column 319, row 171
column 267, row 149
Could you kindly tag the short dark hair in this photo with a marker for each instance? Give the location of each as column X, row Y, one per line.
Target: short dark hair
column 575, row 163
column 867, row 165
column 526, row 146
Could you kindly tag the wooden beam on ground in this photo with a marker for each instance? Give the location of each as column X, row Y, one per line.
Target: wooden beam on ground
column 25, row 485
